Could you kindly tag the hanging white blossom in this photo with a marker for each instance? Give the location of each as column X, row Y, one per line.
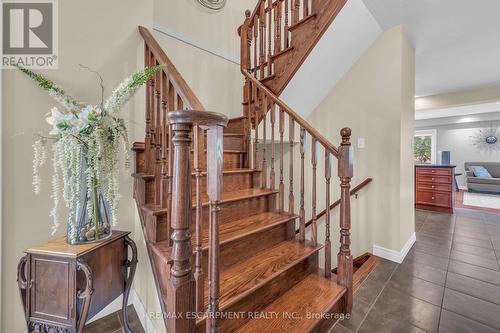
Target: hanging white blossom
column 86, row 141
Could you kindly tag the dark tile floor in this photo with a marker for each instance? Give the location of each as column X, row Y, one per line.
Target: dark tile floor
column 111, row 323
column 449, row 282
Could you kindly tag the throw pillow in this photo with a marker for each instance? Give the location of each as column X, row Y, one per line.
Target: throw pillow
column 480, row 171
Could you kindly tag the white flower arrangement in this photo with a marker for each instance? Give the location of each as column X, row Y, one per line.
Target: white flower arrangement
column 86, row 141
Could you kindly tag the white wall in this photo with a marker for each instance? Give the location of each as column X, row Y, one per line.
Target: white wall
column 457, row 139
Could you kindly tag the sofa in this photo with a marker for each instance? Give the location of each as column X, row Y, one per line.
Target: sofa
column 481, row 184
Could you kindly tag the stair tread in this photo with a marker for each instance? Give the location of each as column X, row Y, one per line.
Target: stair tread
column 241, row 279
column 233, row 230
column 315, row 294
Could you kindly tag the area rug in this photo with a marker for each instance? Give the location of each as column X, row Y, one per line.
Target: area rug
column 482, row 200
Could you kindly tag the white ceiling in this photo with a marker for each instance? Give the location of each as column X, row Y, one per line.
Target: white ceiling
column 457, row 42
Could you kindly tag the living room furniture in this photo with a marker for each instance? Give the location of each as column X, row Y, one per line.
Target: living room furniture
column 434, row 187
column 62, row 285
column 481, row 184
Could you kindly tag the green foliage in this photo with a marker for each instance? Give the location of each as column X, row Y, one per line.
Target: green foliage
column 422, row 149
column 54, row 90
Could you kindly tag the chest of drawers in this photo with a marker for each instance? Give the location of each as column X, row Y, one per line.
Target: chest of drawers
column 434, row 188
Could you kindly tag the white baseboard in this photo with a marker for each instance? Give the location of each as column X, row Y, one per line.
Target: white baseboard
column 393, row 255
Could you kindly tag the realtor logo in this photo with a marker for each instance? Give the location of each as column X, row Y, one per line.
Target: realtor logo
column 30, row 34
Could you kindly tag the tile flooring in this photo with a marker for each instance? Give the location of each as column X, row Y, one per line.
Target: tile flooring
column 449, row 282
column 111, row 323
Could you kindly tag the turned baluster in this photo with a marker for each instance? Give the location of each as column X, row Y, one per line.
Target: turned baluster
column 158, row 80
column 328, row 244
column 263, row 107
column 314, row 162
column 285, row 30
column 248, row 124
column 277, row 26
column 147, row 139
column 262, row 40
column 256, row 127
column 296, row 11
column 273, row 149
column 255, row 44
column 181, row 286
column 282, row 184
column 214, row 191
column 344, row 257
column 199, row 275
column 164, row 142
column 170, row 155
column 306, row 8
column 302, row 212
column 291, row 198
column 269, row 36
column 152, row 97
column 180, row 103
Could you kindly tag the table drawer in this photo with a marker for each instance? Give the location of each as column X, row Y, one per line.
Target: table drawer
column 434, row 187
column 434, row 198
column 426, row 178
column 434, row 171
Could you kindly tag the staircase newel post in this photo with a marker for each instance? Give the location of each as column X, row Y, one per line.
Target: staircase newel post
column 344, row 257
column 181, row 289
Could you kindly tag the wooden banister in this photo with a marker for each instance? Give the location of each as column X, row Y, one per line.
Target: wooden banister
column 188, row 97
column 289, row 111
column 354, row 191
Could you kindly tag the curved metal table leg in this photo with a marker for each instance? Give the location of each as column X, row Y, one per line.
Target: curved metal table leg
column 131, row 264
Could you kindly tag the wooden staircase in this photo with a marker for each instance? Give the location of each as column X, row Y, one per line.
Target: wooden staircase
column 220, row 219
column 278, row 36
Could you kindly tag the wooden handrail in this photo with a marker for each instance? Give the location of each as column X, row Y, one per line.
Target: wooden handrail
column 296, row 117
column 355, row 190
column 174, row 76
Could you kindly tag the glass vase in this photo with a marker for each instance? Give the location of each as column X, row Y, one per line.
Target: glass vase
column 83, row 229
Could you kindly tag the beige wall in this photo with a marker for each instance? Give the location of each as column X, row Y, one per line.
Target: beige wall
column 375, row 99
column 216, row 81
column 99, row 34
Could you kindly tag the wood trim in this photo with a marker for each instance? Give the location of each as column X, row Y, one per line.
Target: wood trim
column 174, row 76
column 355, row 190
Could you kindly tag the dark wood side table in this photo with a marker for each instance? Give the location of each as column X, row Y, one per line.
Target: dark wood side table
column 63, row 285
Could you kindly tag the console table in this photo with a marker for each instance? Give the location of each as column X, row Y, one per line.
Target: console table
column 63, row 285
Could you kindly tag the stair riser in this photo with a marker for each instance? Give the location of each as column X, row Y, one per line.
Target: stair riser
column 235, row 126
column 231, row 143
column 232, row 160
column 269, row 292
column 231, row 182
column 157, row 226
column 231, row 253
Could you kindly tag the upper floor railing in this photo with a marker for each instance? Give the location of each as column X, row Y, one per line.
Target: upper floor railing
column 268, row 33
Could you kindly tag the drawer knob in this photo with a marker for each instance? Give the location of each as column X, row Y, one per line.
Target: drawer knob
column 433, row 198
column 433, row 178
column 433, row 171
column 432, row 186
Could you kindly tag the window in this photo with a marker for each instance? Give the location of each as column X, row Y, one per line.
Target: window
column 424, row 146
